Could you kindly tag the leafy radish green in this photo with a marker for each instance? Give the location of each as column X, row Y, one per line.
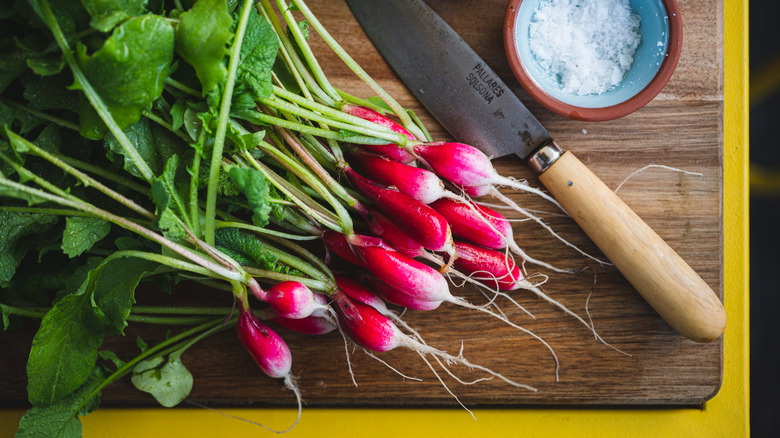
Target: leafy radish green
column 202, row 38
column 129, row 71
column 169, row 381
column 81, row 233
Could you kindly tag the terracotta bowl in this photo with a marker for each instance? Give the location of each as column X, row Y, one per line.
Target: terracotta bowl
column 654, row 62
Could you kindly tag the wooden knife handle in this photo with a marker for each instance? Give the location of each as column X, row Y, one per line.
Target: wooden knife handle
column 657, row 272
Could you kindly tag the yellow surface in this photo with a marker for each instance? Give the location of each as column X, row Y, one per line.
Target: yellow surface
column 725, row 415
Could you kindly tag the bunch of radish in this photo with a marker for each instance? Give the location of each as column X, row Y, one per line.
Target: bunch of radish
column 320, row 212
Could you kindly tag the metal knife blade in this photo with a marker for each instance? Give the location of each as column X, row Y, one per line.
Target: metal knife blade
column 449, row 78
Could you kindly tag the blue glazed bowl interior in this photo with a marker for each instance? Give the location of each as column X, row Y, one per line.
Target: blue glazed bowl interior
column 654, row 28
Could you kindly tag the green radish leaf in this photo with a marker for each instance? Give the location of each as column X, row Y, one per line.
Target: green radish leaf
column 140, row 135
column 49, row 93
column 170, row 206
column 46, row 65
column 49, row 139
column 15, row 228
column 81, row 233
column 177, row 114
column 244, row 248
column 252, row 183
column 128, row 73
column 91, row 126
column 12, row 63
column 169, row 383
column 202, row 39
column 60, row 420
column 257, row 56
column 108, row 13
column 70, row 15
column 64, row 350
column 113, row 285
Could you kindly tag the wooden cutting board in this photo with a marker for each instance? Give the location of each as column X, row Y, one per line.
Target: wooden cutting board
column 681, row 128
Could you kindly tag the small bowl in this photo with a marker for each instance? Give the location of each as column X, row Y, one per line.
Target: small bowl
column 649, row 73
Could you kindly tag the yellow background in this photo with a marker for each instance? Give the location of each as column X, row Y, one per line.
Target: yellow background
column 725, row 415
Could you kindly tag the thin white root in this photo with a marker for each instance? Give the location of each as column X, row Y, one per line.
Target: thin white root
column 445, row 385
column 498, row 195
column 660, row 166
column 458, row 379
column 464, row 303
column 383, row 362
column 346, row 351
column 517, row 250
column 587, row 312
column 425, row 349
column 524, row 186
column 530, row 210
column 289, row 383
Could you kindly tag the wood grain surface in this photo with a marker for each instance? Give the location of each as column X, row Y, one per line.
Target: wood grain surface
column 647, row 363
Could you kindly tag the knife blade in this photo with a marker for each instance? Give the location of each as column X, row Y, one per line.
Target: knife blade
column 474, row 105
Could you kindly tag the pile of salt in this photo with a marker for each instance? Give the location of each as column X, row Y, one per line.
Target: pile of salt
column 587, row 46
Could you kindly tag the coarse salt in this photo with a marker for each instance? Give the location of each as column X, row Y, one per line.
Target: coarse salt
column 587, row 46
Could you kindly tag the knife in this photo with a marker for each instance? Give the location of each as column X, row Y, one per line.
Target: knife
column 472, row 103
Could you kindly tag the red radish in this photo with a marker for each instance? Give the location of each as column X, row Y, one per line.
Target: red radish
column 336, row 243
column 392, row 151
column 484, row 226
column 268, row 350
column 466, row 165
column 394, row 296
column 421, row 184
column 475, row 223
column 358, row 292
column 381, row 226
column 311, row 325
column 420, row 221
column 401, row 271
column 370, row 329
column 477, row 191
column 491, row 267
column 291, row 299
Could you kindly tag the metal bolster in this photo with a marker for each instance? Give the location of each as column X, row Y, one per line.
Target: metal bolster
column 545, row 156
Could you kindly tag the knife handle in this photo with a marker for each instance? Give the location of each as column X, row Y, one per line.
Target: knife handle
column 657, row 272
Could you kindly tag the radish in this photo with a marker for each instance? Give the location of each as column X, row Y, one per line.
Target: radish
column 394, row 296
column 291, row 299
column 483, row 226
column 392, row 151
column 268, row 350
column 475, row 223
column 420, row 221
column 311, row 325
column 466, row 165
column 421, row 184
column 336, row 243
column 358, row 292
column 491, row 267
column 477, row 191
column 386, row 229
column 403, row 272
